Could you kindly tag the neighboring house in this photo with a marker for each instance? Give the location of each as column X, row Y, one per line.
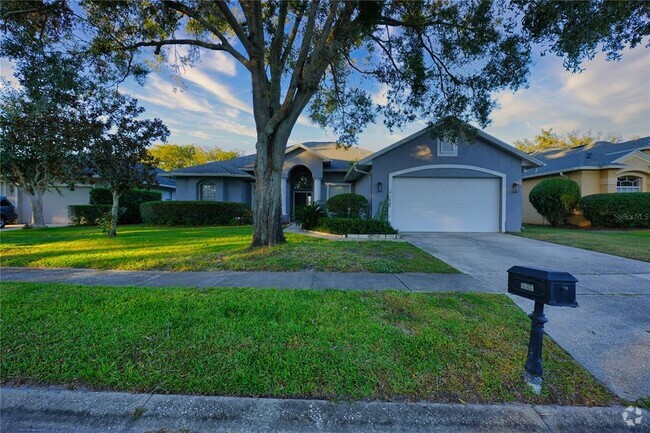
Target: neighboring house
column 434, row 185
column 166, row 185
column 599, row 167
column 55, row 203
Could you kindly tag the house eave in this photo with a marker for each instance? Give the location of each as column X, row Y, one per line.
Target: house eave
column 571, row 169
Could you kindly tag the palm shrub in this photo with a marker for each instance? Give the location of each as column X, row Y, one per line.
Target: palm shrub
column 309, row 216
column 555, row 199
column 348, row 206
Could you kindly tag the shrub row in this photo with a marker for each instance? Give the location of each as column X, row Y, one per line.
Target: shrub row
column 87, row 214
column 195, row 213
column 617, row 209
column 130, row 201
column 357, row 226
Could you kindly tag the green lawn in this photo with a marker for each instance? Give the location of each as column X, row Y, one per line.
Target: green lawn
column 205, row 249
column 625, row 243
column 280, row 343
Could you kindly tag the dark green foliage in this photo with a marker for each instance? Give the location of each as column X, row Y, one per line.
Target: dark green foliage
column 348, row 206
column 617, row 209
column 130, row 201
column 308, row 216
column 81, row 215
column 356, row 226
column 555, row 199
column 382, row 211
column 195, row 213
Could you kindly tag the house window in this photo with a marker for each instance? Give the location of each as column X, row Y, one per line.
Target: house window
column 447, row 148
column 303, row 182
column 337, row 188
column 628, row 184
column 208, row 191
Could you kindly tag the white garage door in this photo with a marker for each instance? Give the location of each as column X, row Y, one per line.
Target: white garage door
column 55, row 205
column 446, row 204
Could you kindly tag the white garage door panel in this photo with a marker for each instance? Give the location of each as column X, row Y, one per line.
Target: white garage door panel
column 446, row 204
column 55, row 206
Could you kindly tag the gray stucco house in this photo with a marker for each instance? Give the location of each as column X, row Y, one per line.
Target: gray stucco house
column 432, row 185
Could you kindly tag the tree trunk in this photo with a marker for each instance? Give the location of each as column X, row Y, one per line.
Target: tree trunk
column 114, row 214
column 36, row 200
column 267, row 212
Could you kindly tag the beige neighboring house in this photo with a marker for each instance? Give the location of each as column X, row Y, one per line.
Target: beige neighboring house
column 599, row 167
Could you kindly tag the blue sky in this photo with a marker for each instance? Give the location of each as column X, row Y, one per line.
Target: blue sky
column 210, row 105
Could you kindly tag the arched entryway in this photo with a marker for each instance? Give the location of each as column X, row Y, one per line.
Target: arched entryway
column 301, row 188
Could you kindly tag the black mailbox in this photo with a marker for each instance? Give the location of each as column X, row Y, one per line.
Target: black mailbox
column 541, row 285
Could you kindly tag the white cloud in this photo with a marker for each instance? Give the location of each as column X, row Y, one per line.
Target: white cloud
column 380, row 97
column 161, row 93
column 607, row 96
column 217, row 89
column 220, row 62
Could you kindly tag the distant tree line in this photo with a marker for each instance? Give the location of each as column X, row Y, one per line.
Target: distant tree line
column 547, row 139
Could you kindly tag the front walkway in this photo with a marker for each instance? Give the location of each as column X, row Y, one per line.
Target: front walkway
column 408, row 282
column 608, row 334
column 52, row 410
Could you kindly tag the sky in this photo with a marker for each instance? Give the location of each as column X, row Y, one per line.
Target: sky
column 210, row 104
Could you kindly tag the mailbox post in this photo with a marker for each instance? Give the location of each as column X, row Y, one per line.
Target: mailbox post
column 545, row 288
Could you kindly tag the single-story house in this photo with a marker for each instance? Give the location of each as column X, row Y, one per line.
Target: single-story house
column 55, row 203
column 431, row 184
column 599, row 167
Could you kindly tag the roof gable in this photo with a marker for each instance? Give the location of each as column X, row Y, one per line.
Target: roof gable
column 527, row 160
column 593, row 156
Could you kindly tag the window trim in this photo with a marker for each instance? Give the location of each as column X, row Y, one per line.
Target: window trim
column 329, row 184
column 453, row 152
column 627, row 189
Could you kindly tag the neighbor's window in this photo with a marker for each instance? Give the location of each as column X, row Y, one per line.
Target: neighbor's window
column 337, row 188
column 628, row 184
column 208, row 192
column 447, row 148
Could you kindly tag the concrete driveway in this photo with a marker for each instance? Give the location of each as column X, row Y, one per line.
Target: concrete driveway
column 609, row 333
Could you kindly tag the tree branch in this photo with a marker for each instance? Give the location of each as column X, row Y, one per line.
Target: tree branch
column 179, row 7
column 235, row 25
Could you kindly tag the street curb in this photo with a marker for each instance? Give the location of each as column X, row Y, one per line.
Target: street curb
column 58, row 410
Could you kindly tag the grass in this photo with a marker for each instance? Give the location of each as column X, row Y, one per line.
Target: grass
column 335, row 345
column 632, row 244
column 205, row 249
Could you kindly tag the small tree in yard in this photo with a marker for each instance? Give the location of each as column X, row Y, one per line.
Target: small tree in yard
column 120, row 158
column 555, row 199
column 44, row 127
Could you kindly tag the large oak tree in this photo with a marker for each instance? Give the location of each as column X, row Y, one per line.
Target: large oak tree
column 440, row 61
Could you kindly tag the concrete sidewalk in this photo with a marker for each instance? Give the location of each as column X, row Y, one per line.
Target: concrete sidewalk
column 56, row 410
column 411, row 282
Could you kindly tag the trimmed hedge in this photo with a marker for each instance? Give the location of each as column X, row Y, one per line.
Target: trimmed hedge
column 354, row 226
column 630, row 209
column 347, row 206
column 87, row 214
column 195, row 213
column 555, row 199
column 130, row 201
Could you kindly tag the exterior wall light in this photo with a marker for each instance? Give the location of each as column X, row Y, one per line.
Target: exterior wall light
column 380, row 186
column 515, row 187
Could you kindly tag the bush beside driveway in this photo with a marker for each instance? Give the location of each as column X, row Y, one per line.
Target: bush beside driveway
column 206, row 249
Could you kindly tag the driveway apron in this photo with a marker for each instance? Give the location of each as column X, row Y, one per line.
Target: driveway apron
column 608, row 334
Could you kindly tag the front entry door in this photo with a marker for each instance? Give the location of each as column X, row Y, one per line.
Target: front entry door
column 301, row 198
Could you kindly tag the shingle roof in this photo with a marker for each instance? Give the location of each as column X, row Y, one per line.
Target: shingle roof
column 340, row 159
column 596, row 154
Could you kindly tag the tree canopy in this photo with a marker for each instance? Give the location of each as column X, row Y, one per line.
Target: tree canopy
column 439, row 61
column 547, row 139
column 174, row 156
